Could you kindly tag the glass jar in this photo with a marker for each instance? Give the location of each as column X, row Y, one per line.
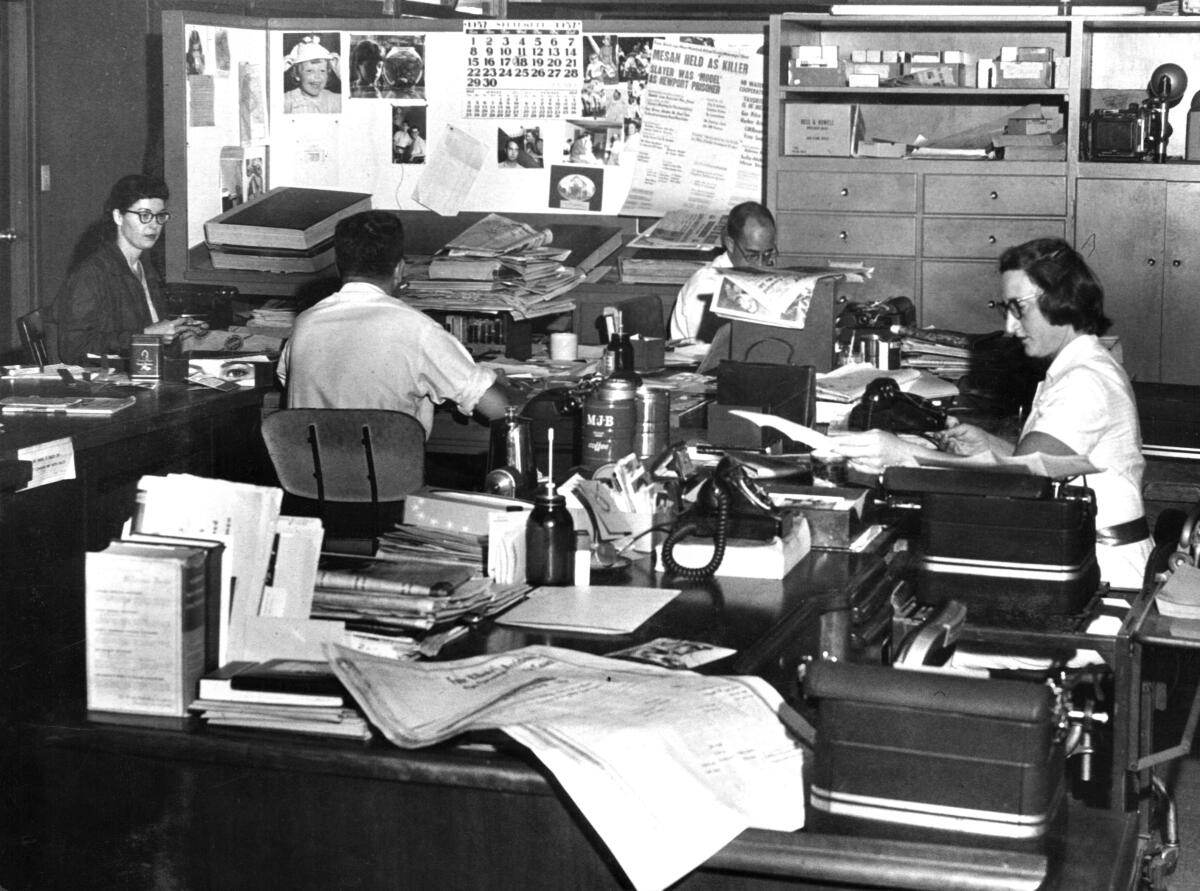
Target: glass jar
column 549, row 541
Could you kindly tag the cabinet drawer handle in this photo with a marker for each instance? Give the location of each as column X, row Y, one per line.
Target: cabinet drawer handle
column 842, row 235
column 1176, row 263
column 1150, row 261
column 995, row 195
column 844, row 192
column 991, row 239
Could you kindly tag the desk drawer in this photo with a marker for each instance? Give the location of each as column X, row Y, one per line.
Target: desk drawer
column 982, row 238
column 847, row 234
column 996, row 194
column 881, row 192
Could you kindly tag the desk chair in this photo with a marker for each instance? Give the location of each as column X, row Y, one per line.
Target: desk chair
column 33, row 338
column 332, row 462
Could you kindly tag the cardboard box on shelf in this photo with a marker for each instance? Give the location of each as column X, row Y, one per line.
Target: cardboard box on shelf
column 821, row 129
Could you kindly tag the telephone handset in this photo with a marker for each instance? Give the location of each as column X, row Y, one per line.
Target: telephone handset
column 884, row 406
column 730, row 504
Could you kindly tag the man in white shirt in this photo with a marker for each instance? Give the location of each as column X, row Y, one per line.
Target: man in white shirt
column 364, row 348
column 749, row 242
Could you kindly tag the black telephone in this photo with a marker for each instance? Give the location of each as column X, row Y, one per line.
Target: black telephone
column 729, row 503
column 884, row 406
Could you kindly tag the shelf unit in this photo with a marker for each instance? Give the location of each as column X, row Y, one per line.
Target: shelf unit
column 933, row 229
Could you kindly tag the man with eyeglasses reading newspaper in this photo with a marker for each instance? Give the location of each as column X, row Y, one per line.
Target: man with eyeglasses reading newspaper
column 749, row 242
column 114, row 292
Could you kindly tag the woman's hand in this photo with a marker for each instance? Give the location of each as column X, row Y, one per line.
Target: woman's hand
column 182, row 328
column 874, row 450
column 964, row 439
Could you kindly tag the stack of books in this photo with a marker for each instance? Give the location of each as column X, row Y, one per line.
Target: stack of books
column 286, row 229
column 388, row 596
column 293, row 695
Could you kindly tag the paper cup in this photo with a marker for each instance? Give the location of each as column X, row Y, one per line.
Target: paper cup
column 564, row 346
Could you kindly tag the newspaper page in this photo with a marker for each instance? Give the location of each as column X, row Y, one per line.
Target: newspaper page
column 644, row 752
column 702, row 131
column 778, row 297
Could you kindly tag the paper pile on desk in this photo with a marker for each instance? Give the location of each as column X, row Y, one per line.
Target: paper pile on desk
column 644, row 752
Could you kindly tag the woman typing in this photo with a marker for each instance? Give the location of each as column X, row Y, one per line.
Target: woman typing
column 1054, row 305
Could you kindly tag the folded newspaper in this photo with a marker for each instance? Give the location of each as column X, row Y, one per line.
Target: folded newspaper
column 776, row 296
column 644, row 752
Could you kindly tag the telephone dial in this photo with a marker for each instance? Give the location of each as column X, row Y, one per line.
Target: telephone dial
column 729, row 504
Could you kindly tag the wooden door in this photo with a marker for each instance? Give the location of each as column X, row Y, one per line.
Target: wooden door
column 1181, row 286
column 16, row 224
column 1120, row 228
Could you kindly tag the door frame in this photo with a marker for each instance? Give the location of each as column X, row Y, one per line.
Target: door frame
column 20, row 175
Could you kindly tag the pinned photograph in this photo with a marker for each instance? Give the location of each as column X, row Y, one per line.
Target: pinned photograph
column 387, row 66
column 576, row 188
column 408, row 134
column 519, row 147
column 311, row 84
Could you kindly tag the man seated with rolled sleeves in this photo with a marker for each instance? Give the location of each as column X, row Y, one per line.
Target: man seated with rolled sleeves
column 749, row 242
column 364, row 348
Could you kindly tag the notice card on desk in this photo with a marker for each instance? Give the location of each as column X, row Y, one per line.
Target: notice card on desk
column 594, row 609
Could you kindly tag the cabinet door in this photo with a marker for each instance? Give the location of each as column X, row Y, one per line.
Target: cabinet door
column 955, row 295
column 1119, row 230
column 1181, row 286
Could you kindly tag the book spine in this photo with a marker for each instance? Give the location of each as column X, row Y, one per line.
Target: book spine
column 351, row 582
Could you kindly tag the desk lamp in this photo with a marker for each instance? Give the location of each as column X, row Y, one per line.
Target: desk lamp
column 1167, row 85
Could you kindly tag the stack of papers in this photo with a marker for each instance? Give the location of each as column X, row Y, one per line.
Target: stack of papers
column 683, row 230
column 497, row 264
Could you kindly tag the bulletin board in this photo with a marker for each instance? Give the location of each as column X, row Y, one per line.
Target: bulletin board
column 484, row 115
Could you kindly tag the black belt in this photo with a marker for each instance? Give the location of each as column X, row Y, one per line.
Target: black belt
column 1124, row 533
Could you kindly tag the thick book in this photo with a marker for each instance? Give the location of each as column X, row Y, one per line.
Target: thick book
column 214, row 552
column 224, row 256
column 144, row 609
column 274, row 682
column 288, row 217
column 96, row 406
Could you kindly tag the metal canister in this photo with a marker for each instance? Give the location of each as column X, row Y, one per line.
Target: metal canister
column 653, row 421
column 609, row 423
column 510, row 455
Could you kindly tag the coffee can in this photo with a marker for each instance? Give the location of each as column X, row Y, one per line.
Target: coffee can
column 609, row 423
column 653, row 421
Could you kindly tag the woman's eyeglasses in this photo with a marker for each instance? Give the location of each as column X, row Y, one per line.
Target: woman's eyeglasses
column 1013, row 306
column 145, row 216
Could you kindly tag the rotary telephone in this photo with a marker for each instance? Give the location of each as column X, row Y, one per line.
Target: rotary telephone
column 729, row 504
column 884, row 406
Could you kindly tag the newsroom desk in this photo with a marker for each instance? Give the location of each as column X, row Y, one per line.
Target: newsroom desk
column 133, row 808
column 45, row 531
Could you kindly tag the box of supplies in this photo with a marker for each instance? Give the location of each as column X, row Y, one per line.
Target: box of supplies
column 821, row 129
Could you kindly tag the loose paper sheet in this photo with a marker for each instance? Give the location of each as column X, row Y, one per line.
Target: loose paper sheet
column 596, row 609
column 450, row 174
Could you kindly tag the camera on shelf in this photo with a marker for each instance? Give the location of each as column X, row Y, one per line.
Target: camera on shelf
column 1128, row 134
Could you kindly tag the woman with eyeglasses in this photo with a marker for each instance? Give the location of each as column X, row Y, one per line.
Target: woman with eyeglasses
column 1054, row 305
column 115, row 293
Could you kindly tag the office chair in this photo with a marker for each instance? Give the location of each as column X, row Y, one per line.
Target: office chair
column 33, row 338
column 332, row 462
